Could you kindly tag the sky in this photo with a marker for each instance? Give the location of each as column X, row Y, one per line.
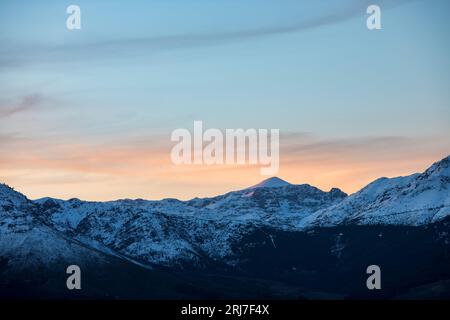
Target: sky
column 89, row 113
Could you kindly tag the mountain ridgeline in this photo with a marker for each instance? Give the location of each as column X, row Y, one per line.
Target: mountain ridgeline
column 272, row 240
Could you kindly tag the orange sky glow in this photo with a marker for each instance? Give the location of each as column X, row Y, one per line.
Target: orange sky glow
column 109, row 172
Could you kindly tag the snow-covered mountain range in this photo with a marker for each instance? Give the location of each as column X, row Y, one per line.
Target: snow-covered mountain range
column 167, row 231
column 206, row 231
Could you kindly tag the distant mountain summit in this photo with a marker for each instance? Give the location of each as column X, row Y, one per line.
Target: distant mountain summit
column 273, row 182
column 10, row 197
column 440, row 168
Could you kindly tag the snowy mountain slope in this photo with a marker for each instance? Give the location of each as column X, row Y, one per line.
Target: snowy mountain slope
column 170, row 232
column 27, row 243
column 413, row 200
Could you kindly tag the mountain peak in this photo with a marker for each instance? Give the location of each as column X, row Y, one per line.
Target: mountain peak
column 440, row 168
column 273, row 182
column 9, row 194
column 7, row 190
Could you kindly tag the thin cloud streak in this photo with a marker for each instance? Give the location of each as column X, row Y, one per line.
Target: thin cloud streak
column 118, row 47
column 28, row 102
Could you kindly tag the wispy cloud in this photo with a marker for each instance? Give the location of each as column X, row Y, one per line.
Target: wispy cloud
column 117, row 47
column 26, row 103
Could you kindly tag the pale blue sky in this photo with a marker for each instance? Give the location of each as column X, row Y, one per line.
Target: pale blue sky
column 144, row 68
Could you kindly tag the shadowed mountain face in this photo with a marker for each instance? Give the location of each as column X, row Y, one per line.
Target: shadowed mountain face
column 272, row 240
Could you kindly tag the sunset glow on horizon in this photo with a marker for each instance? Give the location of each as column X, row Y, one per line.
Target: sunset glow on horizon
column 100, row 173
